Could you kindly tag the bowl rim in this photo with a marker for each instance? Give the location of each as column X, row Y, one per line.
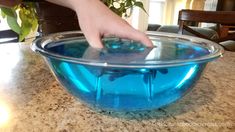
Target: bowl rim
column 215, row 50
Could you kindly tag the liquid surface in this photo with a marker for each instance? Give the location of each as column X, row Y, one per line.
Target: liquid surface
column 127, row 52
column 126, row 89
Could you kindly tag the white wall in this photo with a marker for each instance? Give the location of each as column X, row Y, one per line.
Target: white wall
column 3, row 24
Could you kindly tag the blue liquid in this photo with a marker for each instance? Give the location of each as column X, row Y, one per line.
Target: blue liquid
column 123, row 89
column 126, row 89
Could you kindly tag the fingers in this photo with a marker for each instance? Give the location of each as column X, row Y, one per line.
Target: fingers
column 141, row 37
column 130, row 33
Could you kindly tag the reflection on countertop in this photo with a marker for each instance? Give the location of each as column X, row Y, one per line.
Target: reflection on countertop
column 32, row 100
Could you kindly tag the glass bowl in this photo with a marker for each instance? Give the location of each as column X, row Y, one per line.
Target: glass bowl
column 125, row 75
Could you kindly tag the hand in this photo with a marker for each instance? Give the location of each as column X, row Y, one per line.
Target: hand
column 97, row 21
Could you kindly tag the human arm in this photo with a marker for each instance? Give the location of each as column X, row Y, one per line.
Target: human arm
column 96, row 21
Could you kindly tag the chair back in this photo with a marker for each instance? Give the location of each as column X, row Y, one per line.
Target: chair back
column 223, row 19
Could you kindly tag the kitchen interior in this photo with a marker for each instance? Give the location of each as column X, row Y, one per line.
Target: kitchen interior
column 33, row 99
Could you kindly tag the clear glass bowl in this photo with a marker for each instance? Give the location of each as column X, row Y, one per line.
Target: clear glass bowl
column 126, row 75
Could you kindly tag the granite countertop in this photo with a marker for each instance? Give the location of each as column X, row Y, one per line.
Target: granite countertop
column 32, row 100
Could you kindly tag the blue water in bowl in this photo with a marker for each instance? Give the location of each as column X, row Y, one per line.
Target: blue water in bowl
column 127, row 89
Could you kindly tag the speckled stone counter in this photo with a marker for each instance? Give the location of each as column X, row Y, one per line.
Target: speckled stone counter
column 32, row 100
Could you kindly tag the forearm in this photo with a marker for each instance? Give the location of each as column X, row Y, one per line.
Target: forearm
column 9, row 3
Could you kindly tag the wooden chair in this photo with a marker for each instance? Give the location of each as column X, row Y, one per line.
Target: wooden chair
column 223, row 19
